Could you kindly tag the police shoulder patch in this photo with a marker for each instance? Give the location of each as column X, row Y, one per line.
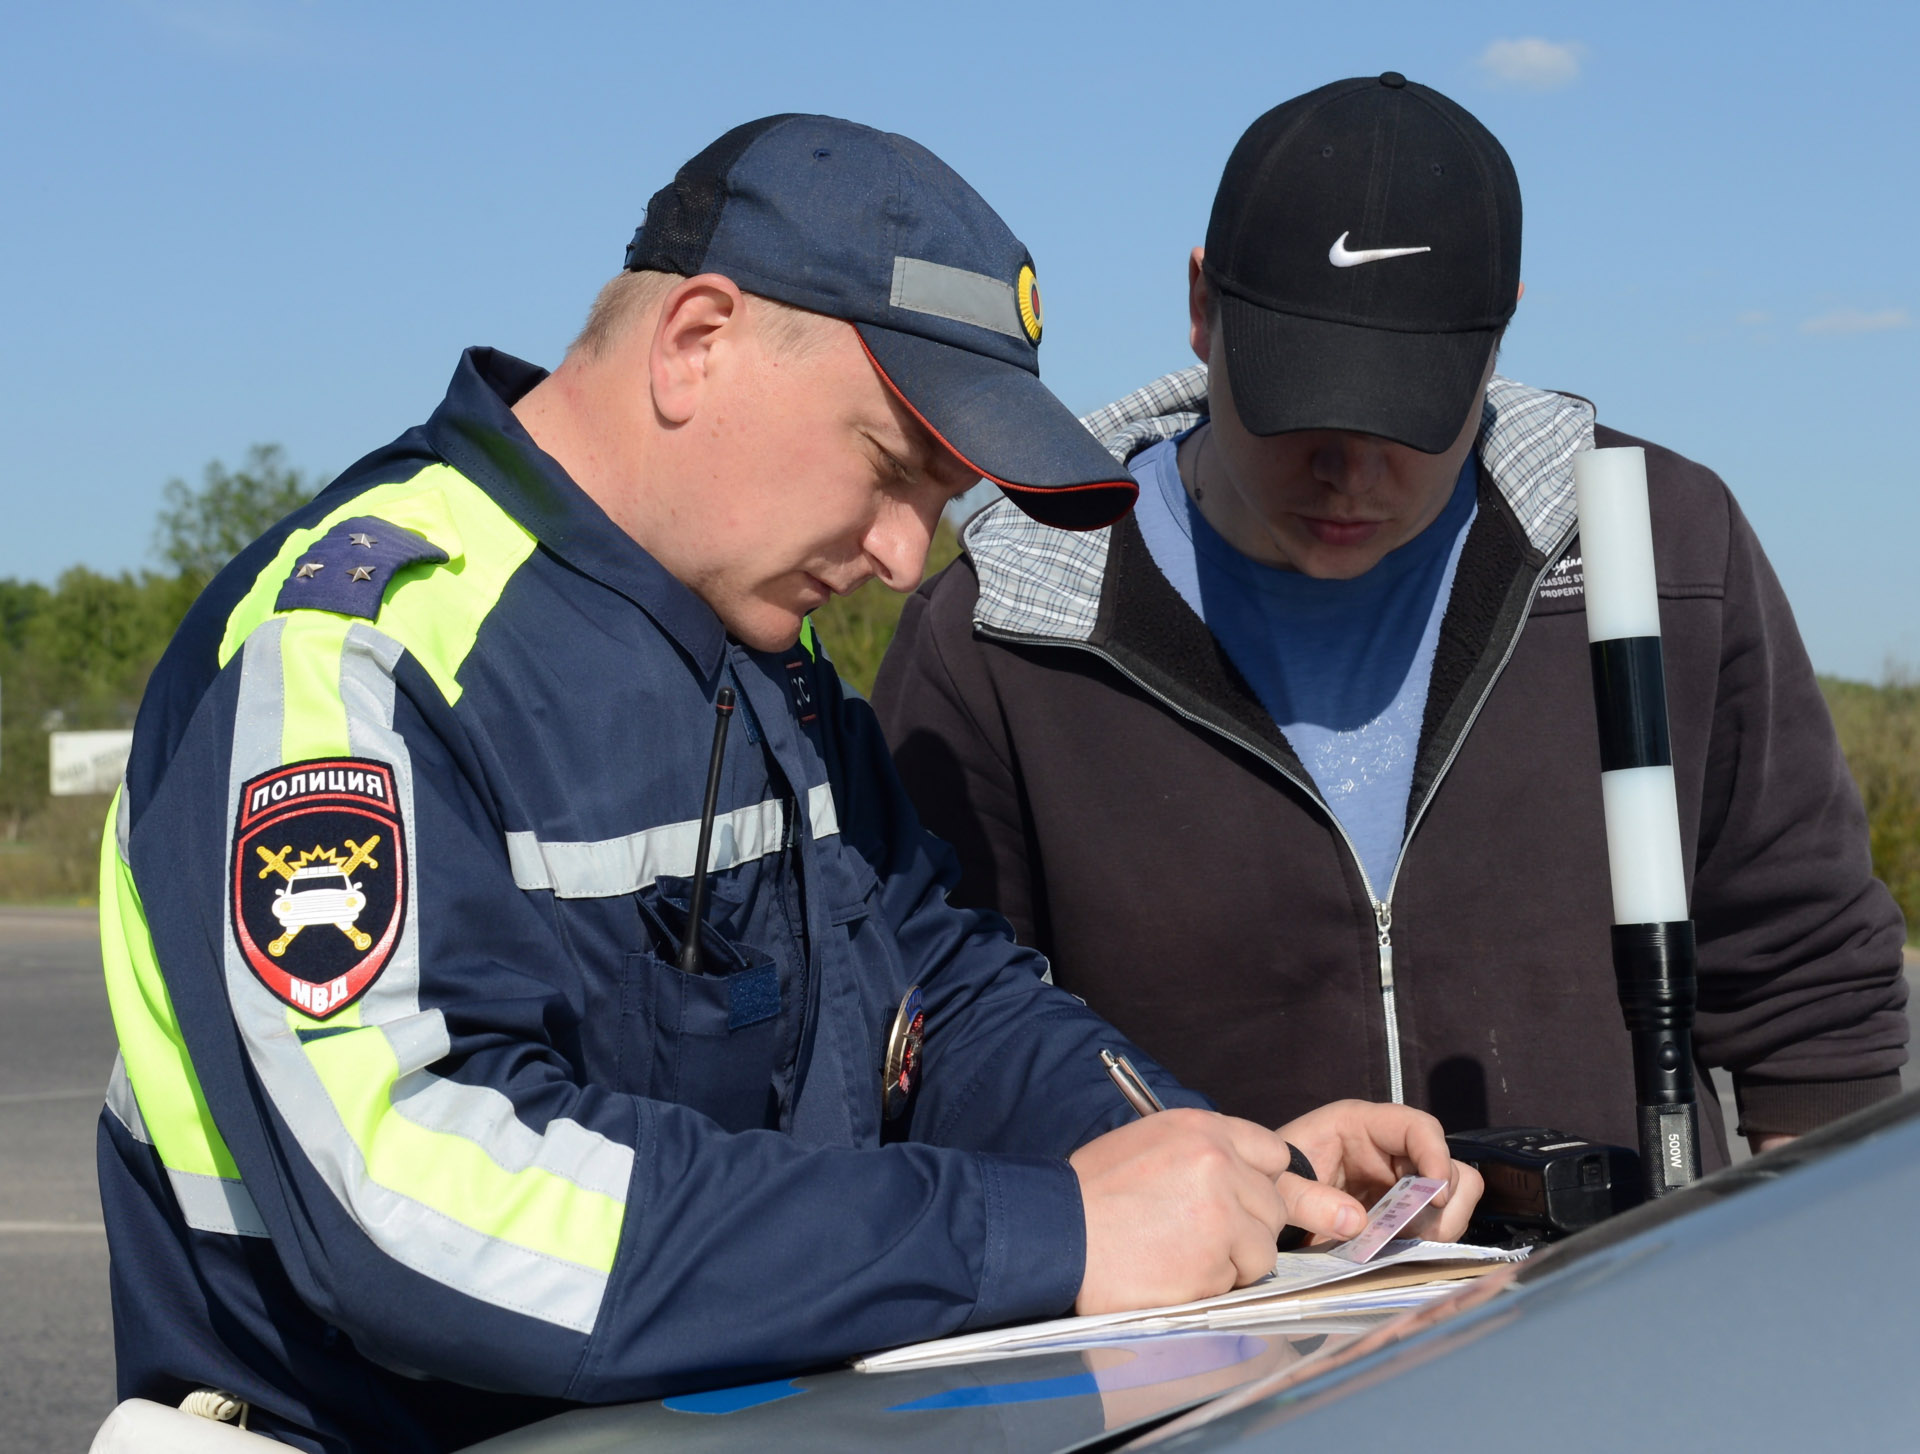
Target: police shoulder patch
column 349, row 569
column 319, row 880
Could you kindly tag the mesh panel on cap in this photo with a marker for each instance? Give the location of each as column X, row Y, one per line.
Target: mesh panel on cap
column 682, row 216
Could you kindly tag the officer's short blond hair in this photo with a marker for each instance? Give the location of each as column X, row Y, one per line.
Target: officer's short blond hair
column 629, row 297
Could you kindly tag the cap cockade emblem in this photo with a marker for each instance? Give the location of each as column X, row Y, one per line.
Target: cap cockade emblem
column 1027, row 292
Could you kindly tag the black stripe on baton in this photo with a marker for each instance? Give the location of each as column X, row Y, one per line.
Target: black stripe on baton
column 1630, row 692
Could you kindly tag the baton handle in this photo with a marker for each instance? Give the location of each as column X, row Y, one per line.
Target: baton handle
column 1654, row 970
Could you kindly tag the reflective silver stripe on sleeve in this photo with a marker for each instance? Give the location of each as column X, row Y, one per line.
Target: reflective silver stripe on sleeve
column 120, row 1101
column 216, row 1204
column 122, row 822
column 821, row 811
column 610, row 867
column 923, row 287
column 367, row 660
column 482, row 1115
column 414, row 1234
column 207, row 1203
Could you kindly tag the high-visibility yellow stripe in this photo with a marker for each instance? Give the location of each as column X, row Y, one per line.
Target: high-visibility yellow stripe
column 313, row 719
column 434, row 610
column 531, row 1208
column 437, row 614
column 157, row 1063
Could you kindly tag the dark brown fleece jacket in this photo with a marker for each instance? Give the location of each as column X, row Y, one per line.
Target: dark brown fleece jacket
column 1128, row 804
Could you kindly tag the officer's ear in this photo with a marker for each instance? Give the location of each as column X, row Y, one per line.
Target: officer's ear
column 698, row 320
column 1200, row 310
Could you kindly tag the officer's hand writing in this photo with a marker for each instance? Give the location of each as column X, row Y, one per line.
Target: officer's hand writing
column 1364, row 1147
column 1186, row 1204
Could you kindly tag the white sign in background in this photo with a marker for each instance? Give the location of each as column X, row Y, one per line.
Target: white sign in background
column 86, row 762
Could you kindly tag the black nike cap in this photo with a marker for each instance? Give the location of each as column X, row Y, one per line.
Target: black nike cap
column 1364, row 248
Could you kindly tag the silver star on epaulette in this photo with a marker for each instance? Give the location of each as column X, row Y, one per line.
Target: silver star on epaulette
column 309, row 569
column 366, row 542
column 360, row 573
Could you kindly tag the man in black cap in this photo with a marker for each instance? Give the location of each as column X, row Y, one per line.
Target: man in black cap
column 1318, row 714
column 532, row 984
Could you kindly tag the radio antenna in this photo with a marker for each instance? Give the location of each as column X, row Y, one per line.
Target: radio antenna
column 697, row 901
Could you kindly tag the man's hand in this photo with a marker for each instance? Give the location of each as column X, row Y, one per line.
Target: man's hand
column 1186, row 1204
column 1364, row 1147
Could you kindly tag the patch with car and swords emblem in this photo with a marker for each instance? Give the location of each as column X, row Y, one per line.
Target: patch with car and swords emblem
column 319, row 880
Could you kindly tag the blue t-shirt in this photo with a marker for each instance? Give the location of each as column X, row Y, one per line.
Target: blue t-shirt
column 1343, row 666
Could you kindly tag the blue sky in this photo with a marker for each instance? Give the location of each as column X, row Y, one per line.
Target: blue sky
column 241, row 220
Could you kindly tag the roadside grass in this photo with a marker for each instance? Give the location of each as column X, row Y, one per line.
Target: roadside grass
column 56, row 858
column 1879, row 731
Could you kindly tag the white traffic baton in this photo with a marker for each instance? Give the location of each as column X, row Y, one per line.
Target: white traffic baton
column 1654, row 961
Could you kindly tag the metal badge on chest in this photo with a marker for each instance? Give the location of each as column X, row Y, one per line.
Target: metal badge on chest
column 902, row 1071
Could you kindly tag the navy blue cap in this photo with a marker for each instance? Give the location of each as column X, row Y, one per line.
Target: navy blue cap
column 863, row 225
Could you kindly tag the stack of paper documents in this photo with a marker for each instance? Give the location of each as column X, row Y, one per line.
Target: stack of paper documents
column 1302, row 1285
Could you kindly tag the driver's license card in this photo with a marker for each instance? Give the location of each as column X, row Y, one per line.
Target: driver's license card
column 1391, row 1213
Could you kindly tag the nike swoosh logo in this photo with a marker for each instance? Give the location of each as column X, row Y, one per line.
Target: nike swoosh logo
column 1340, row 257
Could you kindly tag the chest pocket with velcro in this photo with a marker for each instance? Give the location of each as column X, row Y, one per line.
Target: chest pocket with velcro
column 710, row 1041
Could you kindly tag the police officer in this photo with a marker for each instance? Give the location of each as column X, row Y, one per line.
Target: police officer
column 423, row 1124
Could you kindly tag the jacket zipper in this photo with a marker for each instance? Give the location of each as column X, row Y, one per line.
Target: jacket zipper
column 1382, row 908
column 1383, row 917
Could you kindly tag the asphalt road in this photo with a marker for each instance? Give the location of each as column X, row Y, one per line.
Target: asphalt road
column 56, row 1048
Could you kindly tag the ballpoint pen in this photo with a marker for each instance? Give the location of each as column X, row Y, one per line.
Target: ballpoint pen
column 1138, row 1093
column 1144, row 1102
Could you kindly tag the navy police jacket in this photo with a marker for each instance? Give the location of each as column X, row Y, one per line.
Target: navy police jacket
column 417, row 1130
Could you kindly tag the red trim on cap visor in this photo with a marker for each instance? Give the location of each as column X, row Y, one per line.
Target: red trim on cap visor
column 1128, row 483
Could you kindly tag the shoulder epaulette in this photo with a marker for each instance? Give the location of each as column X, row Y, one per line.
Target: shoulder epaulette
column 349, row 569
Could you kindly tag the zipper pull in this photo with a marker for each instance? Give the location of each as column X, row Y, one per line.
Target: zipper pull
column 1383, row 916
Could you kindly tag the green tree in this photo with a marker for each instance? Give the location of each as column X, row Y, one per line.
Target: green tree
column 201, row 530
column 23, row 740
column 78, row 655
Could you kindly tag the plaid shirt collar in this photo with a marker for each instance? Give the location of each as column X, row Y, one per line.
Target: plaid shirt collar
column 1041, row 582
